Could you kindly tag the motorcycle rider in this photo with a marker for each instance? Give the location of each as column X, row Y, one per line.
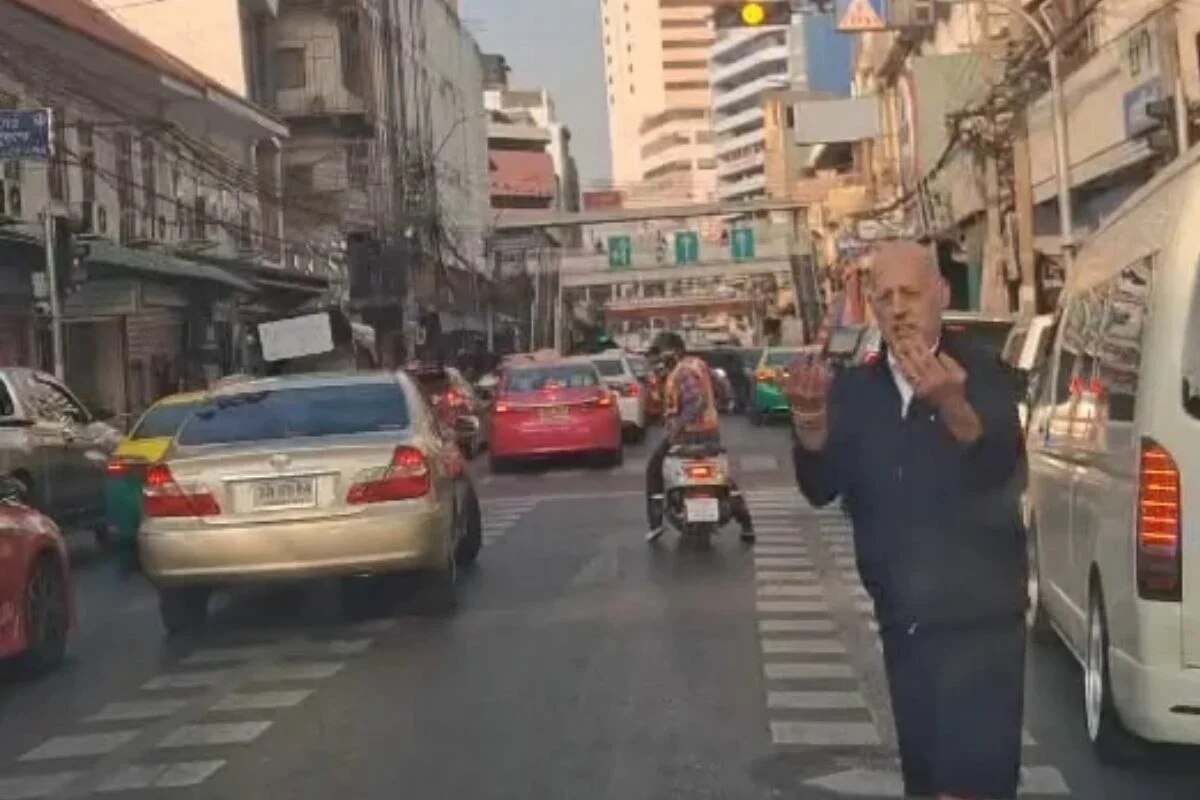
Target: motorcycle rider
column 690, row 417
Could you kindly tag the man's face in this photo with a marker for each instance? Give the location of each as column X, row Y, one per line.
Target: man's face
column 907, row 293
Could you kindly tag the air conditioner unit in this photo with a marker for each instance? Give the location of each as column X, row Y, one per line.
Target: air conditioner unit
column 912, row 13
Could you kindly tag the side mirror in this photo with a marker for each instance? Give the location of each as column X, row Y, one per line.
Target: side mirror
column 13, row 490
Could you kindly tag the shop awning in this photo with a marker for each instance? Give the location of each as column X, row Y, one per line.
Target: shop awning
column 158, row 263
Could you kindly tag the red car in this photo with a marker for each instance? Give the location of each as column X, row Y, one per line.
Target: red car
column 35, row 589
column 554, row 407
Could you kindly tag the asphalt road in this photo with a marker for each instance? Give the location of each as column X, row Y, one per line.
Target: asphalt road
column 583, row 664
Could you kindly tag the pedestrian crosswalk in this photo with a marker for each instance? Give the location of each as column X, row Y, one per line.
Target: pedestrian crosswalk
column 813, row 694
column 182, row 726
column 500, row 515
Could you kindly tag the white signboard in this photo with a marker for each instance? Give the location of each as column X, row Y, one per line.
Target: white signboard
column 309, row 335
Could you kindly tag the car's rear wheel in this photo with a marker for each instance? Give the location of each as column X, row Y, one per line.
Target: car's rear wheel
column 184, row 609
column 1036, row 617
column 1110, row 739
column 46, row 615
column 471, row 534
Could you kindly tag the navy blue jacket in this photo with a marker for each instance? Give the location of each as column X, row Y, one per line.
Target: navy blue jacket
column 937, row 524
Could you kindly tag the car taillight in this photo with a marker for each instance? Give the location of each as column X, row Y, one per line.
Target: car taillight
column 406, row 478
column 700, row 472
column 502, row 408
column 120, row 467
column 764, row 376
column 1159, row 551
column 163, row 497
column 604, row 401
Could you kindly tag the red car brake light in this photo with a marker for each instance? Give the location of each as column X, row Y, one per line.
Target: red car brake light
column 502, row 408
column 700, row 472
column 163, row 497
column 121, row 467
column 406, row 478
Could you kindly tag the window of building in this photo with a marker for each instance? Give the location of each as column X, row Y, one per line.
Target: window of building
column 350, row 49
column 201, row 216
column 149, row 185
column 290, row 68
column 679, row 86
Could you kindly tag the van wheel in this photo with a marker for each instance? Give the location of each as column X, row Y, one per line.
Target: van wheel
column 1110, row 739
column 184, row 610
column 1036, row 618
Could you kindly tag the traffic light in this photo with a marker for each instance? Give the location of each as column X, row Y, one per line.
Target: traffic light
column 753, row 14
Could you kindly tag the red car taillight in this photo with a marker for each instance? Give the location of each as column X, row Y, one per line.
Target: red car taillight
column 631, row 390
column 700, row 472
column 162, row 497
column 406, row 478
column 1159, row 550
column 502, row 408
column 603, row 401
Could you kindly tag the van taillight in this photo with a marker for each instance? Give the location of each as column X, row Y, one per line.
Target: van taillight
column 1159, row 550
column 162, row 497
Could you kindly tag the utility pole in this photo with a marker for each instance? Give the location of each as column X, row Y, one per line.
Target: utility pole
column 56, row 318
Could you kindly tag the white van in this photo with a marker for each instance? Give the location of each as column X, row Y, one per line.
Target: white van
column 1114, row 460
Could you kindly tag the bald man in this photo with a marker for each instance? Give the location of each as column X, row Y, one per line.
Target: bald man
column 923, row 448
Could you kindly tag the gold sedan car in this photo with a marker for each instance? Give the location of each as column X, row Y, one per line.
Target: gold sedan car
column 307, row 477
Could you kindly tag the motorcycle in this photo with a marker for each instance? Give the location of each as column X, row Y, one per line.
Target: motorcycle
column 697, row 491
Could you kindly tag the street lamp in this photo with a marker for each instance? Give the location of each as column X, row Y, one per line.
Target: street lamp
column 1059, row 113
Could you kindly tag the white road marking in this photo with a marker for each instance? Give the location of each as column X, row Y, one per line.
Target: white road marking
column 779, row 575
column 86, row 744
column 758, row 463
column 776, row 538
column 802, row 647
column 815, row 700
column 782, row 550
column 769, row 561
column 1038, row 781
column 791, row 607
column 160, row 776
column 137, row 710
column 35, row 786
column 786, row 670
column 796, row 590
column 186, row 680
column 217, row 655
column 262, row 700
column 796, row 626
column 825, row 734
column 298, row 672
column 207, row 734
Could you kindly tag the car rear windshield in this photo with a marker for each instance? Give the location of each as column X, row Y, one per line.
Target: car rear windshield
column 297, row 413
column 609, row 367
column 162, row 421
column 639, row 366
column 781, row 358
column 537, row 378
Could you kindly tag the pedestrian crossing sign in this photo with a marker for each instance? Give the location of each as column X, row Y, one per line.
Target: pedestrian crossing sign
column 858, row 16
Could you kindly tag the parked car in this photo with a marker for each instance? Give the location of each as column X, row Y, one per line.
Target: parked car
column 340, row 475
column 146, row 444
column 554, row 407
column 617, row 372
column 456, row 403
column 769, row 378
column 1114, row 470
column 52, row 444
column 36, row 606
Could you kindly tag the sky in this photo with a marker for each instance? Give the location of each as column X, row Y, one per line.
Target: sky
column 553, row 44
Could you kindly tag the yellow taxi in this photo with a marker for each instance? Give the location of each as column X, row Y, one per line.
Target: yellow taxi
column 146, row 444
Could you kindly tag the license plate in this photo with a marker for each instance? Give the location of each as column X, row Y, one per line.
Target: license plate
column 702, row 509
column 285, row 493
column 557, row 412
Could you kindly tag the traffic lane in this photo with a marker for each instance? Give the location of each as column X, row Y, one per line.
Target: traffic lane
column 759, row 456
column 1054, row 714
column 582, row 663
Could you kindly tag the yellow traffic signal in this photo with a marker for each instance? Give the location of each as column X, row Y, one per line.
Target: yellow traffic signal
column 753, row 14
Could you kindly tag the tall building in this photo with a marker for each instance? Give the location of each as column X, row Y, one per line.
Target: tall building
column 656, row 63
column 746, row 66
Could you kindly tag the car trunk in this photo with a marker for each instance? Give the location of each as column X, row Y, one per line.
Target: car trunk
column 283, row 480
column 552, row 406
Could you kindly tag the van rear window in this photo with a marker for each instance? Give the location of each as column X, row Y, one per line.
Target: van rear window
column 297, row 413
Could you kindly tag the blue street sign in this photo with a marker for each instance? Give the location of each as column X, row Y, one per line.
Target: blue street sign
column 25, row 133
